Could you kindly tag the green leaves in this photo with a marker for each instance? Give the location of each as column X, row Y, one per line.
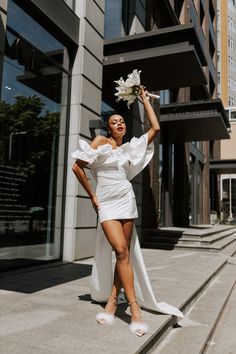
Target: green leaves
column 27, row 133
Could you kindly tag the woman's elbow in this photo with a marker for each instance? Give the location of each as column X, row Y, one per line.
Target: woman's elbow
column 156, row 129
column 74, row 167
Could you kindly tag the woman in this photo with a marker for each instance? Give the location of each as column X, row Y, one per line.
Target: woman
column 113, row 165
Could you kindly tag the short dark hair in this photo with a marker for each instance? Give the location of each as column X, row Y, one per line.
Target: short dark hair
column 105, row 117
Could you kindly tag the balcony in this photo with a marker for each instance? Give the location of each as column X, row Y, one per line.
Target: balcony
column 171, row 57
column 194, row 121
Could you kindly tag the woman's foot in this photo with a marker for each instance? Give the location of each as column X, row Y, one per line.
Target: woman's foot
column 107, row 317
column 137, row 326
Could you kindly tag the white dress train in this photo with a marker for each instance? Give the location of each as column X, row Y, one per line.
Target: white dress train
column 113, row 169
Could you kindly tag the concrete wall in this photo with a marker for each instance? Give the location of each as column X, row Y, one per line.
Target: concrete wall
column 223, row 50
column 80, row 218
column 3, row 20
column 228, row 147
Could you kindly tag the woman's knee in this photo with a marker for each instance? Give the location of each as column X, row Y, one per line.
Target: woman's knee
column 122, row 253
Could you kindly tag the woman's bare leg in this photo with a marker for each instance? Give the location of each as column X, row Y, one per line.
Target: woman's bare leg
column 119, row 234
column 127, row 226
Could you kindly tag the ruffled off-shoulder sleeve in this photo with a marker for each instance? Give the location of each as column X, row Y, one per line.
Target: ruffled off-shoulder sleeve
column 140, row 153
column 85, row 152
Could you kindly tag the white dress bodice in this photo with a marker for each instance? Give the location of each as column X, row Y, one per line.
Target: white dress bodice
column 113, row 169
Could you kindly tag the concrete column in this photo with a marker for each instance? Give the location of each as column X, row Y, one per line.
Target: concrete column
column 85, row 105
column 167, row 185
column 181, row 187
column 206, row 184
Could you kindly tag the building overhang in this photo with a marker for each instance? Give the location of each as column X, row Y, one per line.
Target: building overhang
column 223, row 166
column 171, row 57
column 194, row 121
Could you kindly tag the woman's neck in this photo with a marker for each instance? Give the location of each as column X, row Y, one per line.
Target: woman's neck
column 116, row 141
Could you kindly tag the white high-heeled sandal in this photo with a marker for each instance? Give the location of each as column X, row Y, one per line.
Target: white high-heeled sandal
column 139, row 328
column 136, row 327
column 106, row 317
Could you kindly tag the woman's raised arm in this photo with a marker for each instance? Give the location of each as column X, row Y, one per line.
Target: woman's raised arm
column 155, row 126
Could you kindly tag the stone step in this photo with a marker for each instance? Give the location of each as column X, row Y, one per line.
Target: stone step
column 11, row 179
column 10, row 194
column 212, row 243
column 175, row 233
column 216, row 247
column 21, row 210
column 230, row 250
column 168, row 246
column 192, row 333
column 165, row 328
column 211, row 231
column 192, row 240
column 199, row 231
column 223, row 339
column 208, row 239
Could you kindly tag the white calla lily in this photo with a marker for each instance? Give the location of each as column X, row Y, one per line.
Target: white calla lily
column 128, row 90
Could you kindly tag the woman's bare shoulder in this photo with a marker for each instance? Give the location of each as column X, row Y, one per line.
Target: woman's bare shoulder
column 99, row 140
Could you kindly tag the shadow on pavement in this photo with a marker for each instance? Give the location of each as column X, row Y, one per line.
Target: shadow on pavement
column 40, row 279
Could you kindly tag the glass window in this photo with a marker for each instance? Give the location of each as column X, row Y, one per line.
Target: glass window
column 19, row 21
column 26, row 69
column 141, row 11
column 164, row 97
column 233, row 115
column 113, row 19
column 225, row 198
column 120, row 15
column 233, row 195
column 33, row 94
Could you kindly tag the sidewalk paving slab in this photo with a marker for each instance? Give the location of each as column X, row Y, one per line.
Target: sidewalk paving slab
column 49, row 310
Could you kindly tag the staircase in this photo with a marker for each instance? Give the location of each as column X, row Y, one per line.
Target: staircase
column 14, row 215
column 209, row 303
column 209, row 238
column 196, row 333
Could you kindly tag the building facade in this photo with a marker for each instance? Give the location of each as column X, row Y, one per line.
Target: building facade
column 57, row 72
column 226, row 166
column 51, row 76
column 162, row 45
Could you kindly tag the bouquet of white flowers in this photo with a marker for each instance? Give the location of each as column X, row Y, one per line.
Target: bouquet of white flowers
column 128, row 90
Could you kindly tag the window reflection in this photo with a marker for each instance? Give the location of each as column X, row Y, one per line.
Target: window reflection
column 124, row 17
column 20, row 22
column 113, row 19
column 24, row 65
column 30, row 119
column 27, row 154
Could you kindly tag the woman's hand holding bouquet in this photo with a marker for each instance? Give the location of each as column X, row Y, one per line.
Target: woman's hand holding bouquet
column 130, row 89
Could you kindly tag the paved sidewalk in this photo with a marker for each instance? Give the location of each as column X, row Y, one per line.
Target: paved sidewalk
column 47, row 311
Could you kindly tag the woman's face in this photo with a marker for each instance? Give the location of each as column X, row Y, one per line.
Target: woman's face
column 116, row 126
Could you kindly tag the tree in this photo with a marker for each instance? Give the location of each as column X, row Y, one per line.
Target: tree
column 28, row 136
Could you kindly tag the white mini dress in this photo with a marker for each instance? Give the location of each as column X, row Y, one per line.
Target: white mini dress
column 113, row 169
